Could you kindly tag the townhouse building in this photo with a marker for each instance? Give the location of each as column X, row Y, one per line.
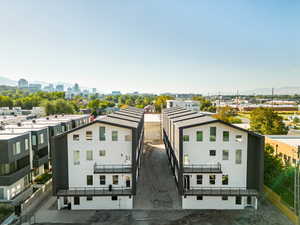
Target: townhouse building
column 15, row 172
column 96, row 166
column 216, row 165
column 25, row 152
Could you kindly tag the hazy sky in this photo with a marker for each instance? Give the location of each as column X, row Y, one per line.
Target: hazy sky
column 153, row 45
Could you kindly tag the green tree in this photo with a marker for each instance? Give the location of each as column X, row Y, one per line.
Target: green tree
column 161, row 101
column 267, row 121
column 63, row 106
column 205, row 104
column 227, row 114
column 6, row 101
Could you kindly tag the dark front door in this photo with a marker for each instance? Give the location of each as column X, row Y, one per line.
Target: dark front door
column 186, row 182
column 128, row 182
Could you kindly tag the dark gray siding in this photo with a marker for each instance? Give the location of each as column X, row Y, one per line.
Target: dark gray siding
column 60, row 163
column 255, row 162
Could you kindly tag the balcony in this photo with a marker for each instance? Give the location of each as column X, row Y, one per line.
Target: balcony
column 202, row 168
column 40, row 161
column 9, row 179
column 220, row 191
column 112, row 168
column 94, row 191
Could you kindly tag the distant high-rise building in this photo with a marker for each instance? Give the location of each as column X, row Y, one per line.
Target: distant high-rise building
column 94, row 90
column 115, row 93
column 76, row 88
column 59, row 87
column 49, row 88
column 22, row 83
column 35, row 87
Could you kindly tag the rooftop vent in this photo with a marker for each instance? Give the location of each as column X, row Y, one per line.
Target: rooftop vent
column 33, row 121
column 55, row 116
column 2, row 127
column 47, row 118
column 19, row 124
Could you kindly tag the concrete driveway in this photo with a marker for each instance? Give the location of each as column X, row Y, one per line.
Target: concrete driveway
column 156, row 187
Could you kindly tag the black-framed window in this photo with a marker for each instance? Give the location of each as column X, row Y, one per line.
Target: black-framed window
column 89, row 179
column 212, row 152
column 186, row 138
column 238, row 200
column 199, row 197
column 102, row 133
column 212, row 179
column 213, row 134
column 89, row 198
column 225, row 179
column 199, row 135
column 102, row 180
column 75, row 137
column 76, row 200
column 199, row 179
column 225, row 136
column 224, row 198
column 114, row 198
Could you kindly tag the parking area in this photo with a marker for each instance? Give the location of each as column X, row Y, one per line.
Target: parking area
column 156, row 187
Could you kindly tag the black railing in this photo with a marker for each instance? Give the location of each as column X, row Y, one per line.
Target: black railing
column 94, row 191
column 203, row 168
column 219, row 191
column 112, row 168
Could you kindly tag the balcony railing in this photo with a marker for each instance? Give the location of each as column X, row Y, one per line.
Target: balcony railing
column 203, row 168
column 95, row 191
column 219, row 191
column 112, row 168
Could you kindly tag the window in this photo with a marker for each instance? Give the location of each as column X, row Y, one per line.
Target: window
column 225, row 155
column 76, row 157
column 186, row 159
column 186, row 138
column 238, row 138
column 225, row 179
column 102, row 133
column 89, row 180
column 114, row 198
column 18, row 147
column 76, row 200
column 102, row 153
column 115, row 179
column 199, row 135
column 26, row 144
column 33, row 139
column 1, row 193
column 249, row 200
column 65, row 200
column 102, row 179
column 89, row 155
column 212, row 179
column 75, row 137
column 128, row 137
column 238, row 156
column 213, row 134
column 89, row 135
column 14, row 149
column 226, row 136
column 224, row 198
column 238, row 200
column 89, row 198
column 114, row 135
column 199, row 197
column 212, row 152
column 199, row 179
column 41, row 138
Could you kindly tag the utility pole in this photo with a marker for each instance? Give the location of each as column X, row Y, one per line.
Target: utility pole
column 272, row 97
column 297, row 186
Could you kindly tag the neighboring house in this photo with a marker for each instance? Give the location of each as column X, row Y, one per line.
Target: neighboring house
column 286, row 147
column 149, row 109
column 187, row 104
column 25, row 152
column 216, row 165
column 96, row 166
column 15, row 176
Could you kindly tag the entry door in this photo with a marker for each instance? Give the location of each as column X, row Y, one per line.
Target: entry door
column 186, row 182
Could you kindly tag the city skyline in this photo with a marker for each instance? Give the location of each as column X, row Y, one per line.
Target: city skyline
column 152, row 47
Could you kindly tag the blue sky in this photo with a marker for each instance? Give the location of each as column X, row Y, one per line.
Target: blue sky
column 154, row 45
